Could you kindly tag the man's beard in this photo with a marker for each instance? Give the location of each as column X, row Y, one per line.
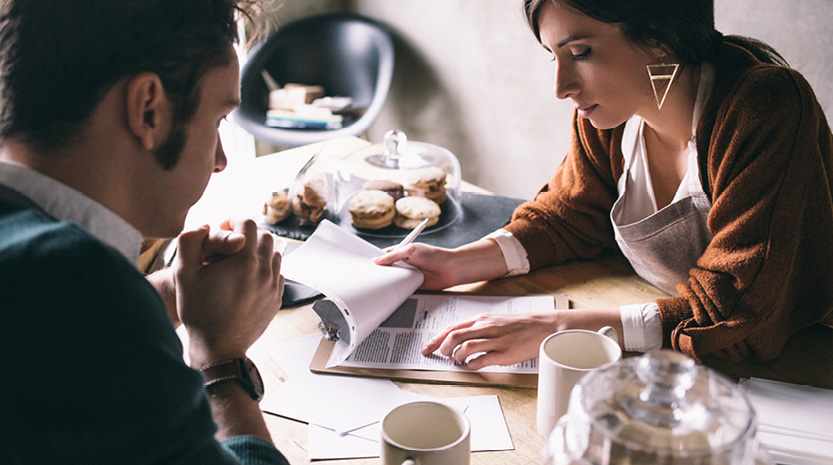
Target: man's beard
column 168, row 154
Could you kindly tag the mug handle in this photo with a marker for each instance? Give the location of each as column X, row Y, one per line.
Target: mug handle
column 610, row 332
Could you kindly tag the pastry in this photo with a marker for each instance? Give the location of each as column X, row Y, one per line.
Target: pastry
column 311, row 201
column 428, row 183
column 276, row 208
column 371, row 209
column 410, row 211
column 392, row 188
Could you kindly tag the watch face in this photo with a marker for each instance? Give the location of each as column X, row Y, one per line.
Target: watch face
column 254, row 377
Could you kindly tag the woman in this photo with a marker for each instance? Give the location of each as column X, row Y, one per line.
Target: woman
column 706, row 161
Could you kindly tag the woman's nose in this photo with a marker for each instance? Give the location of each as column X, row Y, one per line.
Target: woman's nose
column 566, row 83
column 220, row 160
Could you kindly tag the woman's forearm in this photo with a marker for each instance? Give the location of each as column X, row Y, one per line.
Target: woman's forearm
column 481, row 260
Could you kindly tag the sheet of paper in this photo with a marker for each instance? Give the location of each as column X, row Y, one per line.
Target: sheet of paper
column 338, row 402
column 339, row 265
column 344, row 412
column 793, row 421
column 326, row 444
column 488, row 431
column 397, row 342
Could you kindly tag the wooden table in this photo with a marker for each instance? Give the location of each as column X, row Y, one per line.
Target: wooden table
column 605, row 282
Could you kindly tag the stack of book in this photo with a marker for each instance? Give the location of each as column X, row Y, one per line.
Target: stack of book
column 304, row 106
column 303, row 118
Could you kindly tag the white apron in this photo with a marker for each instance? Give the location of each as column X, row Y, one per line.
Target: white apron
column 664, row 246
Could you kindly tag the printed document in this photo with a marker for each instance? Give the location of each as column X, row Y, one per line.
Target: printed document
column 371, row 311
column 397, row 342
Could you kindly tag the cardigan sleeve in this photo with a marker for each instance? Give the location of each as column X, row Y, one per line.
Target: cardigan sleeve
column 766, row 272
column 570, row 216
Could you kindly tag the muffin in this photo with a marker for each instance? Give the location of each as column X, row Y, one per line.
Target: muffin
column 371, row 209
column 276, row 208
column 311, row 201
column 410, row 211
column 428, row 183
column 392, row 188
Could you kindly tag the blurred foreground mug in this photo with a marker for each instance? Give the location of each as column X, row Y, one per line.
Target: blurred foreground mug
column 425, row 433
column 565, row 357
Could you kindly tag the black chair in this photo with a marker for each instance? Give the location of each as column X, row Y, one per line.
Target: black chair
column 348, row 55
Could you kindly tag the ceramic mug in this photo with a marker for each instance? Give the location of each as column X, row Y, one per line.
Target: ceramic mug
column 564, row 358
column 425, row 433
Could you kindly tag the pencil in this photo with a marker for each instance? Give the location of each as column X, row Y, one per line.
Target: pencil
column 412, row 235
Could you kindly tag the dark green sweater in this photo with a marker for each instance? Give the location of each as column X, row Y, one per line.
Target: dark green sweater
column 92, row 370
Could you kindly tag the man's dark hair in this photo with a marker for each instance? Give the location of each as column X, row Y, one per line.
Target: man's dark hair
column 59, row 58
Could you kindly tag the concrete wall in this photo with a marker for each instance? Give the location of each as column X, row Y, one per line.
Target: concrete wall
column 471, row 77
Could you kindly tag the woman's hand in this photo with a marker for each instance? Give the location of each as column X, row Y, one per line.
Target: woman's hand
column 434, row 262
column 495, row 338
column 443, row 268
column 509, row 338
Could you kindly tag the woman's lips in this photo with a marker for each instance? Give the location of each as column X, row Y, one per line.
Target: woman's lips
column 584, row 112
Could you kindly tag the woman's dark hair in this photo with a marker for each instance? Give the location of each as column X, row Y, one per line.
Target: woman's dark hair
column 59, row 58
column 684, row 28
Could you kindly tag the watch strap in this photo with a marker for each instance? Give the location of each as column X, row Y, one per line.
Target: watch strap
column 242, row 370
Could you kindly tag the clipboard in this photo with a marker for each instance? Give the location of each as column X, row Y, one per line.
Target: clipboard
column 516, row 380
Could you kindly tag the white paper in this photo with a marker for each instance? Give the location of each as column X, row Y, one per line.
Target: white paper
column 488, row 431
column 339, row 402
column 488, row 425
column 326, row 444
column 343, row 412
column 794, row 422
column 295, row 355
column 397, row 342
column 339, row 265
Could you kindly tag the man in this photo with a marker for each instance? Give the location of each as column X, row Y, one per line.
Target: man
column 109, row 113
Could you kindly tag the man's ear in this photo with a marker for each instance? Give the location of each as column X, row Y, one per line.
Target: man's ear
column 148, row 109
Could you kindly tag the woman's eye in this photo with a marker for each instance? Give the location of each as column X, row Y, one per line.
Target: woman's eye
column 582, row 56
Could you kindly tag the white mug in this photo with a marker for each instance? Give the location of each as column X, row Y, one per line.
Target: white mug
column 425, row 433
column 565, row 357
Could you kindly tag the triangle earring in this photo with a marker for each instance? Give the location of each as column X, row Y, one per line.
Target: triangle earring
column 662, row 76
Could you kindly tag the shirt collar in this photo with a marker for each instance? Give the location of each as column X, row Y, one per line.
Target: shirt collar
column 67, row 204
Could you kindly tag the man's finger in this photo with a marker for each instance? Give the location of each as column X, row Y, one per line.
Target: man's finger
column 265, row 248
column 223, row 243
column 189, row 249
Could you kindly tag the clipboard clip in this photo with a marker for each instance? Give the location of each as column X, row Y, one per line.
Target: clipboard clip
column 332, row 325
column 329, row 330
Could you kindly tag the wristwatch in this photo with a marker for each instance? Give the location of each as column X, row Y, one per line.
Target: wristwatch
column 242, row 370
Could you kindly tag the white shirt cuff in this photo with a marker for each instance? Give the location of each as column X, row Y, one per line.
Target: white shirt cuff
column 641, row 327
column 514, row 253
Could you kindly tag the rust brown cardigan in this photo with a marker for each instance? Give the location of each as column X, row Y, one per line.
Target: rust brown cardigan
column 765, row 151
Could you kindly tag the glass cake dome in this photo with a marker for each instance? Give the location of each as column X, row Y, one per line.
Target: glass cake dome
column 427, row 175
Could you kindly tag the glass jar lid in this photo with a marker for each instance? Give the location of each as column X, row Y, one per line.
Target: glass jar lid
column 661, row 407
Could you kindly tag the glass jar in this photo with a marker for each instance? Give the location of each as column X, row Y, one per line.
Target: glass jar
column 402, row 168
column 660, row 408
